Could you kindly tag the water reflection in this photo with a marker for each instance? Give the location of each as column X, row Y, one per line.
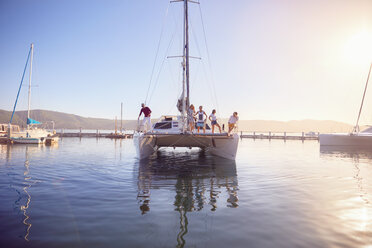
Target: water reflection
column 197, row 180
column 27, row 184
column 353, row 152
column 28, row 181
column 357, row 210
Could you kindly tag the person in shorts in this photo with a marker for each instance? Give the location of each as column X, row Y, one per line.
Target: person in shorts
column 213, row 119
column 232, row 121
column 200, row 120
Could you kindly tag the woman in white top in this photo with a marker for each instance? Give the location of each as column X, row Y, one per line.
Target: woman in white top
column 232, row 121
column 200, row 123
column 190, row 117
column 213, row 119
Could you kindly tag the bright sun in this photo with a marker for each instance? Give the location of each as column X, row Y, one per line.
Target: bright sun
column 358, row 48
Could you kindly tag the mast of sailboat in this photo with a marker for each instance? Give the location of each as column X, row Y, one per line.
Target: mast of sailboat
column 121, row 119
column 29, row 85
column 185, row 65
column 356, row 128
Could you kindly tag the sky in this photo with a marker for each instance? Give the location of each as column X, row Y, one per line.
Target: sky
column 268, row 59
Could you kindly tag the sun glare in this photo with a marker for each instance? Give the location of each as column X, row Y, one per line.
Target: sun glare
column 358, row 48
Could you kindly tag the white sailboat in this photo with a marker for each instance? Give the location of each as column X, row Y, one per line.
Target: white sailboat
column 32, row 134
column 173, row 131
column 355, row 138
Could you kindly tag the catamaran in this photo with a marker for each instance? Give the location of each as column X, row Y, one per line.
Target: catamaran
column 32, row 134
column 174, row 131
column 356, row 137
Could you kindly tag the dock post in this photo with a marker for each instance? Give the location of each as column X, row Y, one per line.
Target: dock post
column 80, row 132
column 285, row 135
column 254, row 135
column 303, row 135
column 269, row 135
column 97, row 133
column 241, row 134
column 63, row 132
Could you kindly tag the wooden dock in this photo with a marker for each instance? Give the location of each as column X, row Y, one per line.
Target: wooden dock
column 282, row 136
column 94, row 135
column 243, row 135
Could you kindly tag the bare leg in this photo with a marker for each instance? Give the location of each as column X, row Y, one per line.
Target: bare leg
column 212, row 128
column 219, row 127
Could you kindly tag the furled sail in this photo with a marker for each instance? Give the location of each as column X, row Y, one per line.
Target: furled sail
column 179, row 104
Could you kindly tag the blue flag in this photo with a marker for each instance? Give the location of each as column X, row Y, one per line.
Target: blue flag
column 31, row 121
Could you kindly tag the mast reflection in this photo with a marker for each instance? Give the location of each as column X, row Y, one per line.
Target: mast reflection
column 197, row 179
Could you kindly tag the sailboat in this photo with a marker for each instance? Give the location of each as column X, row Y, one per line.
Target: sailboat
column 356, row 137
column 174, row 131
column 32, row 134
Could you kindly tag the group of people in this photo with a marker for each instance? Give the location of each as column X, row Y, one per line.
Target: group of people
column 195, row 118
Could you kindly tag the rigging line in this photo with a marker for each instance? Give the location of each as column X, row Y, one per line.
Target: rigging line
column 361, row 105
column 157, row 51
column 209, row 60
column 19, row 89
column 162, row 63
column 213, row 97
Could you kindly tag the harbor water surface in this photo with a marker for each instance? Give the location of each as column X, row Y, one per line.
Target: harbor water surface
column 94, row 193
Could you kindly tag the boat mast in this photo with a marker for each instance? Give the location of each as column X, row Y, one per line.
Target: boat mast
column 356, row 128
column 121, row 119
column 186, row 69
column 29, row 85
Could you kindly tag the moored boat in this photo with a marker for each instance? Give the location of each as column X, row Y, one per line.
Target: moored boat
column 355, row 138
column 174, row 131
column 32, row 134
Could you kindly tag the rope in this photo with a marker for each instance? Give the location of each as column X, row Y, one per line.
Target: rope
column 213, row 98
column 162, row 63
column 356, row 128
column 157, row 51
column 209, row 60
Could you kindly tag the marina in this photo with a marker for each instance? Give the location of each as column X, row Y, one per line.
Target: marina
column 234, row 127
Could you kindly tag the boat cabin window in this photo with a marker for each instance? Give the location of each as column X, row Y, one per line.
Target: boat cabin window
column 163, row 125
column 167, row 119
column 175, row 124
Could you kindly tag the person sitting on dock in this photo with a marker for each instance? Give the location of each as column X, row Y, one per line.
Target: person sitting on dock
column 147, row 119
column 190, row 117
column 200, row 119
column 232, row 122
column 213, row 119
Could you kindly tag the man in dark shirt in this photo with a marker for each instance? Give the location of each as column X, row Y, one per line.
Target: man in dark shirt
column 147, row 119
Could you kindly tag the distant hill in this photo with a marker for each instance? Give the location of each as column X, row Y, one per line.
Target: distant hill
column 70, row 121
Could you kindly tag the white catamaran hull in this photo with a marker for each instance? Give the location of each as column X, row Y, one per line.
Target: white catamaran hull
column 218, row 145
column 345, row 139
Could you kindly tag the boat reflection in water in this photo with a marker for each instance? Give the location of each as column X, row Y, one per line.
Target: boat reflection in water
column 28, row 182
column 353, row 152
column 197, row 179
column 359, row 211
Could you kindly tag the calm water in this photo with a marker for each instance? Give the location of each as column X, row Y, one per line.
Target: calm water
column 94, row 193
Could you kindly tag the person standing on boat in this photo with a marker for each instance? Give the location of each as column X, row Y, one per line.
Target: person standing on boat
column 200, row 123
column 213, row 119
column 147, row 119
column 232, row 121
column 190, row 117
